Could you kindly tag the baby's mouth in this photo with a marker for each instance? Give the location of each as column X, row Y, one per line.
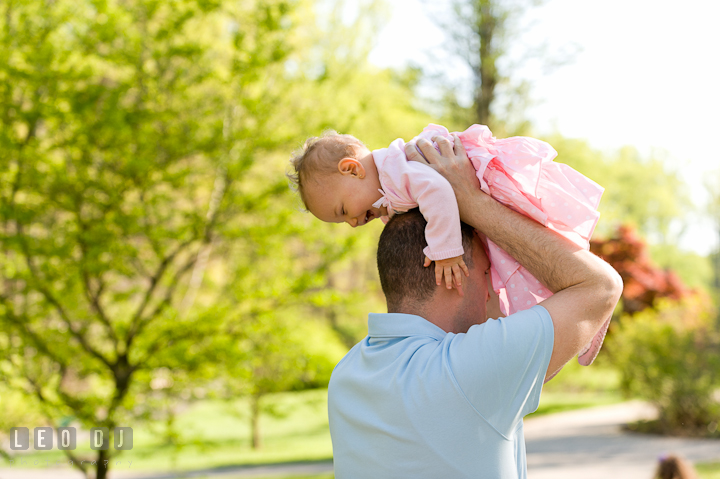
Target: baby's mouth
column 369, row 216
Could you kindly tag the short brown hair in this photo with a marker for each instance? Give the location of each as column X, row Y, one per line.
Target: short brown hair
column 320, row 155
column 674, row 467
column 400, row 259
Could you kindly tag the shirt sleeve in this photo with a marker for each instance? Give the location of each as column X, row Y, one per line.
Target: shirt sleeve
column 500, row 365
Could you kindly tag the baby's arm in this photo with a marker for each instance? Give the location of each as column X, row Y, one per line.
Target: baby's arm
column 437, row 203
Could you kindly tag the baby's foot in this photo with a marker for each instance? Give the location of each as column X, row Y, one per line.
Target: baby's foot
column 552, row 376
column 590, row 352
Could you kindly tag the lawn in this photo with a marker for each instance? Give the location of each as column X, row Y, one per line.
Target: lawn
column 212, row 436
column 577, row 387
column 708, row 470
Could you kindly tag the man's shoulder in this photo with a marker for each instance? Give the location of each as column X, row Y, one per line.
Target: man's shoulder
column 347, row 362
column 500, row 366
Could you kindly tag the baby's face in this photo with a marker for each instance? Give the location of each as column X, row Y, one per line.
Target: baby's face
column 337, row 198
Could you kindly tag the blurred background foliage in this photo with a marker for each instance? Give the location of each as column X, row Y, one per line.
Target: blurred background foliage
column 154, row 259
column 670, row 355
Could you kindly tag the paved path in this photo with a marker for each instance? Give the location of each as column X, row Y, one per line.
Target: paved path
column 587, row 444
column 590, row 444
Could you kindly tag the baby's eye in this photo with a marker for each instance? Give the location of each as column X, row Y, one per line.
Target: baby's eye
column 343, row 211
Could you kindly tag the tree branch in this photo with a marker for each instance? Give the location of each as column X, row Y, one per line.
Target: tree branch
column 55, row 303
column 23, row 325
column 167, row 299
column 92, row 297
column 94, row 300
column 162, row 341
column 154, row 281
column 198, row 273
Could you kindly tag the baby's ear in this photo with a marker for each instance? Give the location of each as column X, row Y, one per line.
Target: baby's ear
column 352, row 167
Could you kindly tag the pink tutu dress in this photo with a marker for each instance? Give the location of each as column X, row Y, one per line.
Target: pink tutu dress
column 520, row 173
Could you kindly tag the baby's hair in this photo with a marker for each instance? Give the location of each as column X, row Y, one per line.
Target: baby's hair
column 320, row 156
column 674, row 467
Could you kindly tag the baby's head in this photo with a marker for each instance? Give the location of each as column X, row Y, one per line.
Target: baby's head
column 337, row 179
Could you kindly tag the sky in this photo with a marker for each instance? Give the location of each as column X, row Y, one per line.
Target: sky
column 645, row 73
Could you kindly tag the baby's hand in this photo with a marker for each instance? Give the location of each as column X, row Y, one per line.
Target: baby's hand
column 451, row 268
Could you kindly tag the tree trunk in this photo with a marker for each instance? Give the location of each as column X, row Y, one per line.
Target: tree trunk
column 488, row 28
column 103, row 464
column 255, row 420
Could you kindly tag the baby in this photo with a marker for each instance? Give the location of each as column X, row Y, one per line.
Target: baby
column 340, row 180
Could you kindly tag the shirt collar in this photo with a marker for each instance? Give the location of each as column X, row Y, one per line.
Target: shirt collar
column 400, row 325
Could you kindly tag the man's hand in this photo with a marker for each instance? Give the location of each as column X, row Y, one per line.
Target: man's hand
column 452, row 268
column 452, row 162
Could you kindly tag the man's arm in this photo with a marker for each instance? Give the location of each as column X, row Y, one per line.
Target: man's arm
column 586, row 288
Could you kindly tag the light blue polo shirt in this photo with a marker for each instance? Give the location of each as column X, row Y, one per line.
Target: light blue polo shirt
column 412, row 401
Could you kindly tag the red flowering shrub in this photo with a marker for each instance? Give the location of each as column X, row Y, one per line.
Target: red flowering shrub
column 644, row 282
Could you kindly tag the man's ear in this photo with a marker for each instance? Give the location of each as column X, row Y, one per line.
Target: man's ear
column 352, row 167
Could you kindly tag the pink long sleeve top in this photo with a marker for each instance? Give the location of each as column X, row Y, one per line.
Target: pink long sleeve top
column 409, row 184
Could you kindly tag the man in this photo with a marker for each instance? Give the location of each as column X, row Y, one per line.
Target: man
column 438, row 391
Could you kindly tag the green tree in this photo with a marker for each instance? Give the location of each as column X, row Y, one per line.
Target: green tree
column 269, row 354
column 486, row 37
column 694, row 269
column 482, row 38
column 128, row 133
column 259, row 297
column 142, row 181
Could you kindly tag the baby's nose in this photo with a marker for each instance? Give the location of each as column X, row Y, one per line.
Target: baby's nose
column 352, row 222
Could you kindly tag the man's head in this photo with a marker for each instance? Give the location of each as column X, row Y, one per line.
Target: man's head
column 410, row 288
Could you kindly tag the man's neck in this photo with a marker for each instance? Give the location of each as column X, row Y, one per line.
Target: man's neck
column 450, row 313
column 449, row 319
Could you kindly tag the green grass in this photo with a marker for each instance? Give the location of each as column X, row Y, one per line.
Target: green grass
column 599, row 377
column 553, row 402
column 708, row 470
column 578, row 387
column 213, row 436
